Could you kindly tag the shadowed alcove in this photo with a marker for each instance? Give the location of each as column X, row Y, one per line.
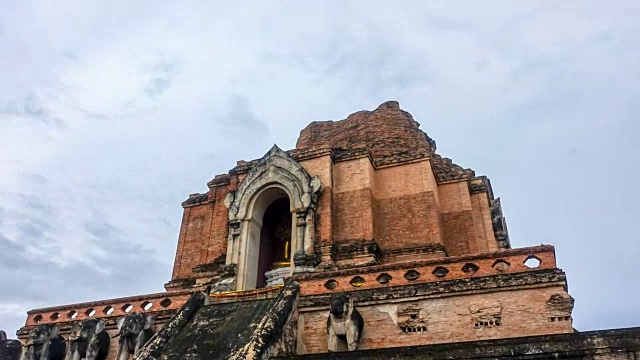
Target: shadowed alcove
column 275, row 239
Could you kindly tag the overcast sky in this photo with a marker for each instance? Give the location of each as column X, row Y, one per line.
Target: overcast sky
column 111, row 114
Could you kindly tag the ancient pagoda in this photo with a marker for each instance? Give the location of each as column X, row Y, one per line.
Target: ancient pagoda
column 361, row 243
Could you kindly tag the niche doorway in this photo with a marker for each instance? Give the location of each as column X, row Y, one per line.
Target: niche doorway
column 274, row 255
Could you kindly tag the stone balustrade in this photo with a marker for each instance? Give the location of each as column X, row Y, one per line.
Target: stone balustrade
column 106, row 309
column 450, row 268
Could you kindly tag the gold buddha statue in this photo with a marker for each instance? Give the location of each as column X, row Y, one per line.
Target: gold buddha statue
column 282, row 243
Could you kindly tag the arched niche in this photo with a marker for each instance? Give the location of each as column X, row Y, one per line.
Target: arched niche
column 275, row 176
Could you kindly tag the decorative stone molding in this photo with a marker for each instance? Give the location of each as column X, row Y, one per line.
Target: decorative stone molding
column 417, row 290
column 179, row 284
column 213, row 267
column 219, row 180
column 276, row 167
column 559, row 307
column 218, row 274
column 499, row 225
column 277, row 276
column 306, row 260
column 486, row 314
column 412, row 318
column 275, row 173
column 429, row 250
column 356, row 253
column 480, row 184
column 195, row 199
column 446, row 170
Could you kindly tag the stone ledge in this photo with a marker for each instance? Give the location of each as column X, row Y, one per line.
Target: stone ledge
column 485, row 283
column 600, row 344
column 196, row 199
column 429, row 262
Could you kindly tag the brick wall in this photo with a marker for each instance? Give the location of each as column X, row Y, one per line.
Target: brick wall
column 388, row 133
column 352, row 213
column 447, row 319
column 407, row 206
column 323, row 168
column 377, row 170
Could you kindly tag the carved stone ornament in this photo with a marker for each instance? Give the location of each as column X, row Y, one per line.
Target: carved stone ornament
column 276, row 167
column 274, row 173
column 134, row 332
column 10, row 349
column 499, row 225
column 89, row 340
column 487, row 314
column 412, row 318
column 559, row 307
column 44, row 343
column 344, row 322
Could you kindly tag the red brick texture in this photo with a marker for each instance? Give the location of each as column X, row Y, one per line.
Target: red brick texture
column 389, row 134
column 315, row 284
column 400, row 205
column 447, row 319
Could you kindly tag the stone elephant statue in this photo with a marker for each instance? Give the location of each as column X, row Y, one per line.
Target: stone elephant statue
column 344, row 322
column 9, row 349
column 135, row 330
column 88, row 340
column 44, row 343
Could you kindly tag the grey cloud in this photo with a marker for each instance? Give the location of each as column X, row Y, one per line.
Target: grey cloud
column 157, row 86
column 35, row 178
column 31, row 108
column 127, row 269
column 371, row 63
column 516, row 116
column 96, row 115
column 240, row 117
column 101, row 229
column 445, row 24
column 123, row 269
column 34, row 229
column 70, row 55
column 162, row 72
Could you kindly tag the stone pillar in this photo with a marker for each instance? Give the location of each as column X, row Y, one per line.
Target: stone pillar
column 305, row 258
column 300, row 226
column 234, row 242
column 309, row 233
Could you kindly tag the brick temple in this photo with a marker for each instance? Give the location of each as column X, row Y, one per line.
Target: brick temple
column 360, row 243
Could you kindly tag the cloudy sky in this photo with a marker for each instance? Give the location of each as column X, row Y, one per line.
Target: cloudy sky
column 112, row 112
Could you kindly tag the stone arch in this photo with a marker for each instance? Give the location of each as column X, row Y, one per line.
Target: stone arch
column 274, row 176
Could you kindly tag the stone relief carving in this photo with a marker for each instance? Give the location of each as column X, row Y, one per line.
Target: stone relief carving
column 88, row 340
column 276, row 167
column 274, row 170
column 499, row 224
column 412, row 318
column 485, row 315
column 135, row 330
column 44, row 343
column 559, row 307
column 344, row 321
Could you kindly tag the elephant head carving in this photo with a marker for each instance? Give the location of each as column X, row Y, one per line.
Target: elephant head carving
column 135, row 330
column 44, row 343
column 344, row 322
column 9, row 349
column 88, row 340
